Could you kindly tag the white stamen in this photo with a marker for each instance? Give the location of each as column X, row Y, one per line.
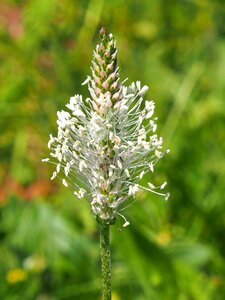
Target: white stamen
column 82, row 165
column 58, row 168
column 64, row 182
column 119, row 164
column 53, row 175
column 127, row 172
column 151, row 167
column 142, row 174
column 45, row 160
column 163, row 185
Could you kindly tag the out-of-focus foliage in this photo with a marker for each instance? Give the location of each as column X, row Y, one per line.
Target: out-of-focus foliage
column 49, row 240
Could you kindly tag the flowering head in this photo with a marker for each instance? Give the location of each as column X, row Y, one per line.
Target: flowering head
column 107, row 142
column 104, row 85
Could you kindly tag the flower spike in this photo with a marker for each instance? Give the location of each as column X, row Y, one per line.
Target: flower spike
column 107, row 143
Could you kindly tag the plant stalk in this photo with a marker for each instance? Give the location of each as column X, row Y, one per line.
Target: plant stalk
column 105, row 261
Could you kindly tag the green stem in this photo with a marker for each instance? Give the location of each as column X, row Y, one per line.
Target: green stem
column 105, row 261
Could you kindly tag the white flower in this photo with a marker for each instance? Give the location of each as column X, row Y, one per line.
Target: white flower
column 104, row 146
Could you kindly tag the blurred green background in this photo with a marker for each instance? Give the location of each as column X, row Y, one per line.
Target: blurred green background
column 48, row 240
